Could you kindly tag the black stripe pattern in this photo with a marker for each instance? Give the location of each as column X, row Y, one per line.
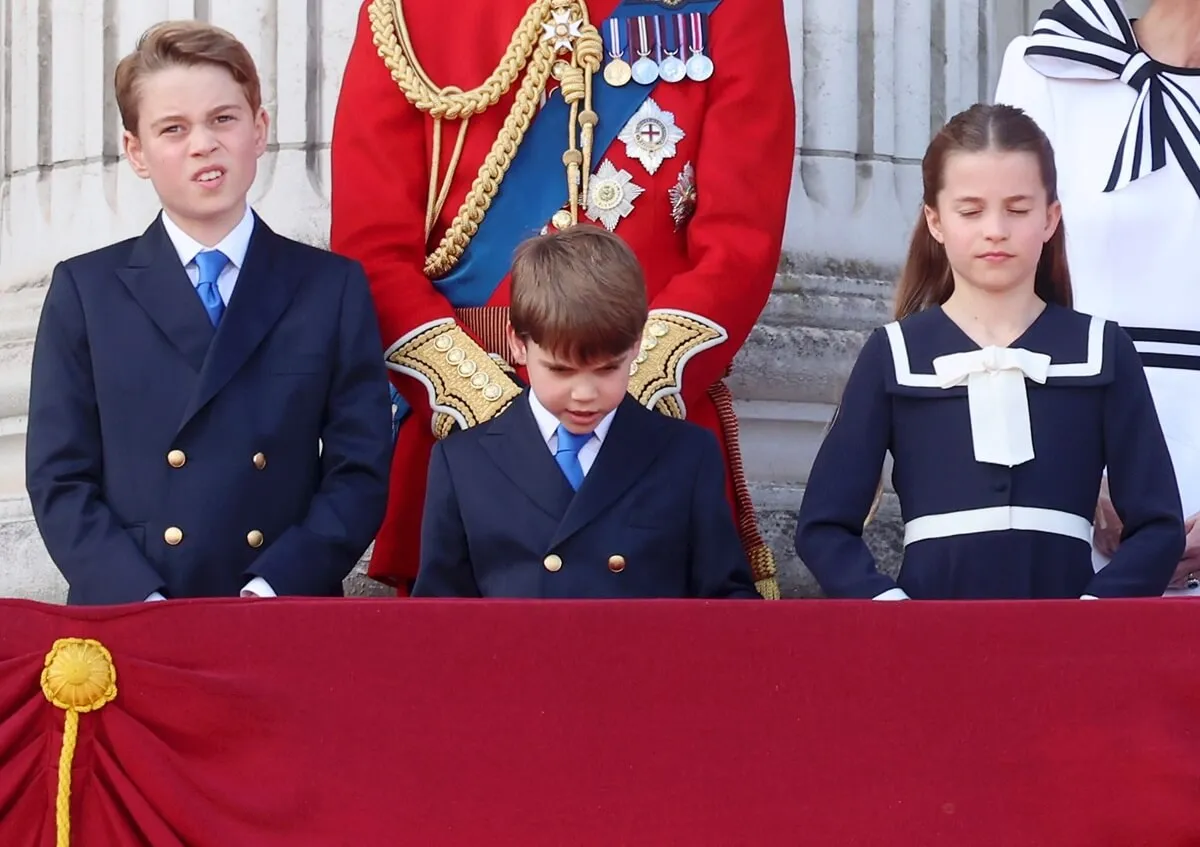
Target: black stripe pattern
column 1093, row 39
column 1184, row 353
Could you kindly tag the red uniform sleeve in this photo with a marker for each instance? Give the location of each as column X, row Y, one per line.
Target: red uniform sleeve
column 380, row 179
column 743, row 173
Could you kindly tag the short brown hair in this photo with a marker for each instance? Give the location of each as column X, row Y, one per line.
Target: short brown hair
column 579, row 293
column 182, row 43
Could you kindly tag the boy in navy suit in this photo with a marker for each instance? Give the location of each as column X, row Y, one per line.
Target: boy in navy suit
column 208, row 413
column 577, row 490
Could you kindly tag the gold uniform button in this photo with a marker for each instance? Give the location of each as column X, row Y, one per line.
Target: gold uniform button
column 173, row 535
column 254, row 538
column 176, row 458
column 553, row 563
column 260, row 461
column 616, row 564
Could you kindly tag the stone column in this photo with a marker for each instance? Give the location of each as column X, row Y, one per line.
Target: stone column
column 64, row 188
column 874, row 80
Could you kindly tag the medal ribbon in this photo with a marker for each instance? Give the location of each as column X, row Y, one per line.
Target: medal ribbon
column 616, row 46
column 674, row 35
column 698, row 32
column 643, row 49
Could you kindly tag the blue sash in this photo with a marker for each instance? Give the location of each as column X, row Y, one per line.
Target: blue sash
column 535, row 186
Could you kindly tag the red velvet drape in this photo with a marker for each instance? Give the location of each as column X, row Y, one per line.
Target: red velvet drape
column 357, row 722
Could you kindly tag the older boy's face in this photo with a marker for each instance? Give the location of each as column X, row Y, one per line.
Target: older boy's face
column 578, row 394
column 198, row 141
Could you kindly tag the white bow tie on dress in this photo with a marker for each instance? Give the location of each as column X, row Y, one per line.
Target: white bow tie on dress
column 995, row 379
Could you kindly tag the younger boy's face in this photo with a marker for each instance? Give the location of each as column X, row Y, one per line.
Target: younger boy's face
column 198, row 141
column 579, row 394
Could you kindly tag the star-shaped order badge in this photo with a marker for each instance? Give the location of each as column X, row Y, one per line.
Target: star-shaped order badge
column 683, row 196
column 610, row 195
column 562, row 31
column 650, row 135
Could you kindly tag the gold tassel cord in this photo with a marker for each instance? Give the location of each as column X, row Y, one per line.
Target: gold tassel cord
column 78, row 676
column 532, row 49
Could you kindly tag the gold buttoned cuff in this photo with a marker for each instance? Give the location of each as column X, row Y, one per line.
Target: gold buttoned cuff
column 669, row 340
column 466, row 386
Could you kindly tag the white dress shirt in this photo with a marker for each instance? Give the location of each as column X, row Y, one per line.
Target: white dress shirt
column 548, row 426
column 234, row 246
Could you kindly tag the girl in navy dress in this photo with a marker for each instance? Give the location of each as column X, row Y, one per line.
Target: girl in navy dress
column 1001, row 407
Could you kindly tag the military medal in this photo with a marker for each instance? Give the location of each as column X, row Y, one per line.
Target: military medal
column 610, row 195
column 617, row 71
column 651, row 135
column 683, row 196
column 699, row 66
column 562, row 31
column 645, row 69
column 670, row 67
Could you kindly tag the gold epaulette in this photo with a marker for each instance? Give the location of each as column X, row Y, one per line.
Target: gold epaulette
column 466, row 386
column 669, row 340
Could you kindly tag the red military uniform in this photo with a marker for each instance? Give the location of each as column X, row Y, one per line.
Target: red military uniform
column 695, row 180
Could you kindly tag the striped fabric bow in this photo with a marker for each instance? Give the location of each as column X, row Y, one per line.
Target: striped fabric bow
column 1093, row 39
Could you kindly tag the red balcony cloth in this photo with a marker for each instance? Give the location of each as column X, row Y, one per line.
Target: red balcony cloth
column 380, row 722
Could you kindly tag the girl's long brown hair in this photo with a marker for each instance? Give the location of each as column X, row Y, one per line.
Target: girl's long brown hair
column 927, row 279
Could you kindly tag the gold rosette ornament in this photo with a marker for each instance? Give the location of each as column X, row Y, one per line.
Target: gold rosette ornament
column 79, row 676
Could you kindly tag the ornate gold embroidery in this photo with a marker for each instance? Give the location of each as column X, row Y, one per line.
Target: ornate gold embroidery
column 466, row 386
column 669, row 340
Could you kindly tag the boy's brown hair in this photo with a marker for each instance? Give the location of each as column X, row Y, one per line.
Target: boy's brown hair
column 578, row 293
column 186, row 44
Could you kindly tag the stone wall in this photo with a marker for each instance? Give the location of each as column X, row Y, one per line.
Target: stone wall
column 872, row 79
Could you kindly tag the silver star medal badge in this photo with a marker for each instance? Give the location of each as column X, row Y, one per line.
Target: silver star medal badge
column 610, row 195
column 562, row 32
column 651, row 135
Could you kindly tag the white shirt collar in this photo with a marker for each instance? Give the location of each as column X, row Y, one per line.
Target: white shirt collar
column 548, row 424
column 234, row 245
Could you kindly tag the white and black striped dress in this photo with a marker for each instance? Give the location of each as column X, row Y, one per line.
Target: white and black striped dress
column 1126, row 134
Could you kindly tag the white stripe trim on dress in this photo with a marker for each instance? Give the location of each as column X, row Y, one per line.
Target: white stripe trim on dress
column 997, row 519
column 905, row 376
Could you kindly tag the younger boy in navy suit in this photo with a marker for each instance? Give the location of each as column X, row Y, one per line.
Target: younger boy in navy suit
column 576, row 490
column 208, row 414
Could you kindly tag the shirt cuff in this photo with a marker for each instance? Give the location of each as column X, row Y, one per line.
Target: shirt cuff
column 892, row 594
column 258, row 587
column 1088, row 597
column 155, row 597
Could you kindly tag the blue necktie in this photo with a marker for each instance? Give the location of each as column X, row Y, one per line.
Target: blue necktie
column 567, row 455
column 211, row 263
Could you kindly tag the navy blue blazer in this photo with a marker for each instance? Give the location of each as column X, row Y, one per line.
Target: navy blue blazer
column 983, row 530
column 650, row 520
column 164, row 455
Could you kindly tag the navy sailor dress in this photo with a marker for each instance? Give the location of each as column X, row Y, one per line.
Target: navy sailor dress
column 997, row 458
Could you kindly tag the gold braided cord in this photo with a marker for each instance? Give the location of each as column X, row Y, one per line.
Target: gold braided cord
column 527, row 49
column 395, row 47
column 78, row 676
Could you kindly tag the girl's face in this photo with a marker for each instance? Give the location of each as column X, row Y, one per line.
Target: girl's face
column 993, row 218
